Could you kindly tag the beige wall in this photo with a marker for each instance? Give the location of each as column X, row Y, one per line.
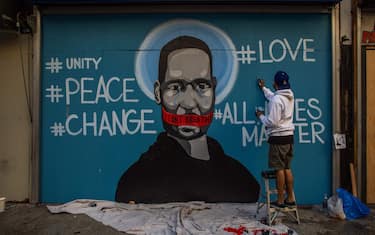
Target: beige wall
column 367, row 20
column 15, row 124
column 346, row 20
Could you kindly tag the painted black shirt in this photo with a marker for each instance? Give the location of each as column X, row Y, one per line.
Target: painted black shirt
column 165, row 173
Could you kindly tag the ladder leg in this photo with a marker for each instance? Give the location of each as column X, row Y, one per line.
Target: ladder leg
column 268, row 198
column 297, row 216
column 296, row 209
column 293, row 212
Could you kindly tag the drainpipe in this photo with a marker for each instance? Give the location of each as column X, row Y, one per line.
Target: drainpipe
column 34, row 192
column 357, row 91
column 336, row 124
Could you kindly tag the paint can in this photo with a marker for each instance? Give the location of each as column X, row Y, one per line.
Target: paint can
column 2, row 204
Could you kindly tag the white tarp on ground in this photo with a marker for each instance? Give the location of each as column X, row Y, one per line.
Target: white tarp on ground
column 173, row 218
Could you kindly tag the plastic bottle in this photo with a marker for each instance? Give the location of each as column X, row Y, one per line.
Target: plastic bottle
column 325, row 202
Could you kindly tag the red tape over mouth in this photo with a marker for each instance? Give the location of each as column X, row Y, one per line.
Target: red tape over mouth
column 187, row 119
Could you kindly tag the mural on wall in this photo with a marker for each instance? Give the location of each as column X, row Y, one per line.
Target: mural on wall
column 184, row 164
column 160, row 107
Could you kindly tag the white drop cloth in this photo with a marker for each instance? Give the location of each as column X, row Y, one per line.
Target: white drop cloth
column 196, row 218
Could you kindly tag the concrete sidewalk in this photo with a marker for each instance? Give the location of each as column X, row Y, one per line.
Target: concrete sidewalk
column 24, row 218
column 314, row 221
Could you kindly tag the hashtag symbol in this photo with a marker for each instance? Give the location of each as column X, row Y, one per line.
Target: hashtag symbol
column 245, row 56
column 54, row 93
column 218, row 114
column 54, row 65
column 57, row 129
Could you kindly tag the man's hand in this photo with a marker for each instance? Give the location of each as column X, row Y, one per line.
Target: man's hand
column 259, row 112
column 261, row 83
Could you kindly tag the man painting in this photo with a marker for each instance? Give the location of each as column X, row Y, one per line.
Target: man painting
column 184, row 164
column 279, row 128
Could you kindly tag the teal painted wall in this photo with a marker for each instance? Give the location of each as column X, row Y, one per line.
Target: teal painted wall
column 98, row 70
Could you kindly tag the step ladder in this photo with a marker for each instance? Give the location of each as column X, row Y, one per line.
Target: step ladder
column 272, row 211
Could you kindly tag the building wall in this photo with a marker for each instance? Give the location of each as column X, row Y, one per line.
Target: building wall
column 15, row 125
column 346, row 21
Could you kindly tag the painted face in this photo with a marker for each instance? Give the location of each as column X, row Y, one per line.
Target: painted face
column 188, row 90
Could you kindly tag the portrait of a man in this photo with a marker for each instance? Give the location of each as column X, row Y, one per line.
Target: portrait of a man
column 184, row 164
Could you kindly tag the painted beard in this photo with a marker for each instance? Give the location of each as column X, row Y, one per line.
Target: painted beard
column 187, row 126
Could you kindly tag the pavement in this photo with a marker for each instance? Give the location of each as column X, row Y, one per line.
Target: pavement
column 26, row 218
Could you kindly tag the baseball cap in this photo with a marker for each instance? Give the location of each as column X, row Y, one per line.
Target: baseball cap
column 282, row 80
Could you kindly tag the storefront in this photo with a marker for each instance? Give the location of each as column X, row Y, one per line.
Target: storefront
column 99, row 63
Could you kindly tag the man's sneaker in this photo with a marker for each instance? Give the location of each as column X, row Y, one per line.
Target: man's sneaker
column 276, row 204
column 289, row 204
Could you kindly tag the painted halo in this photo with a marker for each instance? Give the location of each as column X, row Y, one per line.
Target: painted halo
column 225, row 66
